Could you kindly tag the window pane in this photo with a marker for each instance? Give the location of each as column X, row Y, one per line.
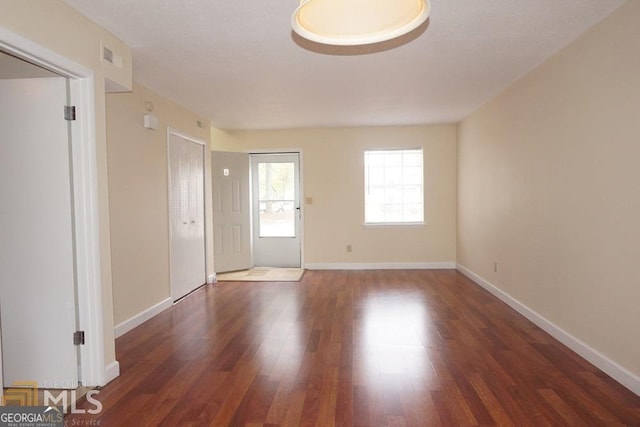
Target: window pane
column 375, row 213
column 375, row 159
column 376, row 176
column 393, row 213
column 276, row 198
column 393, row 186
column 413, row 195
column 393, row 158
column 275, row 181
column 277, row 219
column 393, row 175
column 413, row 158
column 413, row 212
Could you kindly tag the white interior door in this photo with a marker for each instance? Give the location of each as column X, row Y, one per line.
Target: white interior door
column 37, row 272
column 231, row 211
column 186, row 215
column 276, row 209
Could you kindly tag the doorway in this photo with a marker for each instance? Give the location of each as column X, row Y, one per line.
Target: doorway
column 83, row 162
column 37, row 274
column 276, row 213
column 186, row 214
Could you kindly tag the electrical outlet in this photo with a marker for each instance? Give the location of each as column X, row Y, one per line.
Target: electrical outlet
column 349, row 248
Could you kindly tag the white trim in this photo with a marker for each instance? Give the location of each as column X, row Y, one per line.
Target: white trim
column 85, row 178
column 602, row 362
column 301, row 202
column 112, row 371
column 394, row 225
column 273, row 151
column 382, row 266
column 143, row 316
column 85, row 188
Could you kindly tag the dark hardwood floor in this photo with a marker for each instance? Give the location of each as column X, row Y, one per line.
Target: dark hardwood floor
column 353, row 348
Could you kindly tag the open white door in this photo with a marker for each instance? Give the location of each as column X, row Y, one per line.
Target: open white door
column 186, row 214
column 276, row 209
column 231, row 211
column 37, row 272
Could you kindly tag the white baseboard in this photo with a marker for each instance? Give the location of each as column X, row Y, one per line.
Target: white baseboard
column 112, row 371
column 140, row 318
column 606, row 365
column 382, row 266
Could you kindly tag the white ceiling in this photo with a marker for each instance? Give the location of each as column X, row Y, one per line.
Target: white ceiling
column 237, row 62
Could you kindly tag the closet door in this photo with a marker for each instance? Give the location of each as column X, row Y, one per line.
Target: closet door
column 186, row 215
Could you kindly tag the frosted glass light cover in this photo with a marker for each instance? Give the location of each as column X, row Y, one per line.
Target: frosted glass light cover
column 357, row 22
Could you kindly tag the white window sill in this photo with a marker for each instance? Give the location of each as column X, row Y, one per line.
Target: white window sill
column 394, row 225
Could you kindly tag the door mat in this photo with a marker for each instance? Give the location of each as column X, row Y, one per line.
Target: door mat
column 263, row 274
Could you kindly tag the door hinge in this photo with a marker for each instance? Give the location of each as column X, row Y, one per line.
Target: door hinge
column 69, row 112
column 78, row 338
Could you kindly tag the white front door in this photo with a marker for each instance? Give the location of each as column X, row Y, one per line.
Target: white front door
column 186, row 215
column 231, row 211
column 37, row 271
column 276, row 209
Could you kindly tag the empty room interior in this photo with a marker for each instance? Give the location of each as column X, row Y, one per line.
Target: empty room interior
column 270, row 214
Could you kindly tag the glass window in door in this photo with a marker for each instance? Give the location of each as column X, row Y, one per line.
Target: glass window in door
column 276, row 199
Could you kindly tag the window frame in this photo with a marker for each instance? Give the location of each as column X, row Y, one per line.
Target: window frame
column 366, row 170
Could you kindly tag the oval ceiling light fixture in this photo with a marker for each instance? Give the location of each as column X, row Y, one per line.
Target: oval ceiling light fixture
column 357, row 22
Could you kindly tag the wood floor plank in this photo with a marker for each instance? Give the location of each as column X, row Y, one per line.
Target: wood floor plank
column 328, row 397
column 255, row 405
column 353, row 348
column 280, row 403
column 562, row 408
column 492, row 404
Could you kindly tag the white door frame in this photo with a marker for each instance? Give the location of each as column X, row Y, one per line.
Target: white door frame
column 297, row 151
column 93, row 371
column 171, row 131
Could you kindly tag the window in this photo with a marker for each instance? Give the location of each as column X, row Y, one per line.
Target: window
column 393, row 187
column 276, row 199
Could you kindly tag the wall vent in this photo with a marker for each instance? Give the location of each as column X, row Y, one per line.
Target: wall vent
column 107, row 54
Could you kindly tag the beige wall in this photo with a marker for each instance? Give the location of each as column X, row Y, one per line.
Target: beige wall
column 14, row 68
column 334, row 178
column 55, row 26
column 548, row 185
column 138, row 197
